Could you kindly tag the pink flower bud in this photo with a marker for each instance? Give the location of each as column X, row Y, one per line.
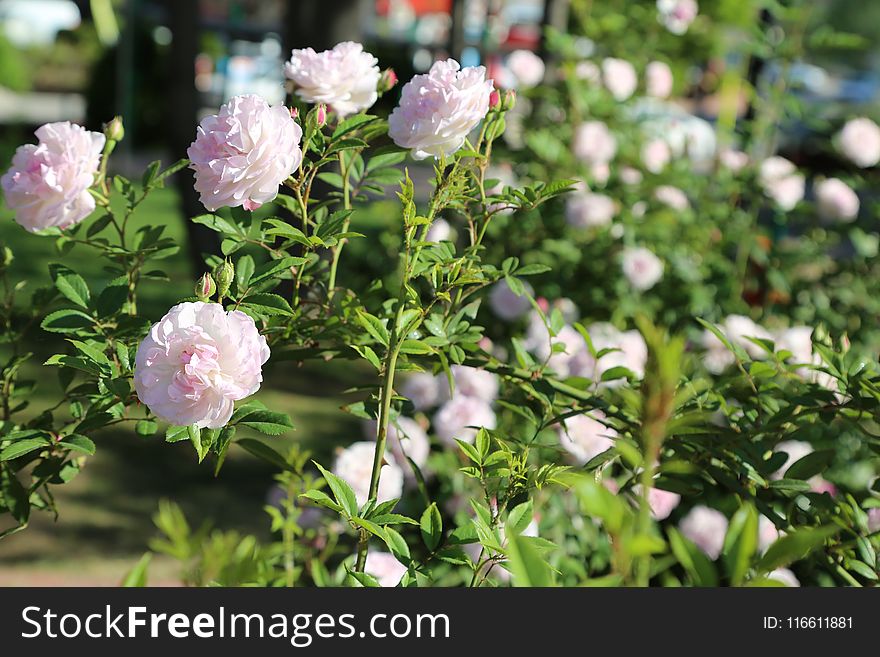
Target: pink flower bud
column 387, row 81
column 509, row 100
column 322, row 115
column 294, row 112
column 494, row 98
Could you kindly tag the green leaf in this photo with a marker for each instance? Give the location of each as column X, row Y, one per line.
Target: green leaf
column 244, row 269
column 810, row 465
column 79, row 443
column 519, row 518
column 66, row 321
column 693, row 559
column 268, row 304
column 741, row 542
column 267, row 422
column 527, row 565
column 342, row 492
column 70, row 284
column 217, row 223
column 432, row 527
column 263, row 451
column 374, row 326
column 274, row 267
column 794, row 546
column 321, row 498
column 176, row 434
column 397, row 545
column 137, row 576
column 24, row 446
column 352, row 123
column 146, row 428
column 112, row 298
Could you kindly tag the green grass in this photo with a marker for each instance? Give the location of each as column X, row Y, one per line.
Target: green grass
column 105, row 513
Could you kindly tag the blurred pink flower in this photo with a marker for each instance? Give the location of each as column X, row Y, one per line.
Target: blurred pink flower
column 506, row 304
column 588, row 210
column 585, row 436
column 458, row 418
column 656, row 155
column 619, row 77
column 706, row 528
column 860, row 142
column 658, row 79
column 642, row 268
column 836, row 201
column 677, row 15
column 593, row 143
column 672, row 197
column 527, row 68
column 781, row 182
column 385, row 567
column 48, row 184
column 354, row 465
column 662, row 502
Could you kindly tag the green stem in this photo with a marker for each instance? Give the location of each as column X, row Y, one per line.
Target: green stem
column 337, row 250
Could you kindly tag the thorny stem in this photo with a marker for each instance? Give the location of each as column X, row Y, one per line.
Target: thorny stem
column 337, row 250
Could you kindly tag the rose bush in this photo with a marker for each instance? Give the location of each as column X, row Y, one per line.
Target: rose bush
column 528, row 420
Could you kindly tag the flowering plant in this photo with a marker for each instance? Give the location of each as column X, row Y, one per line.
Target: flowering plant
column 545, row 448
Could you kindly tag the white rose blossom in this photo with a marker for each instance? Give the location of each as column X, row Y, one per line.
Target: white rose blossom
column 345, row 77
column 243, row 153
column 424, row 390
column 474, row 382
column 642, row 268
column 619, row 77
column 406, row 438
column 197, row 361
column 859, row 140
column 354, row 465
column 438, row 110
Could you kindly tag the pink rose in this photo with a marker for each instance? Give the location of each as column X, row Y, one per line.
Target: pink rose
column 672, row 197
column 706, row 528
column 874, row 520
column 48, row 184
column 658, row 79
column 662, row 502
column 424, row 390
column 860, row 142
column 619, row 77
column 677, row 15
column 781, row 182
column 656, row 155
column 438, row 110
column 406, row 438
column 527, row 68
column 385, row 567
column 593, row 143
column 588, row 210
column 345, row 78
column 242, row 154
column 474, row 382
column 196, row 361
column 506, row 304
column 585, row 436
column 733, row 159
column 836, row 200
column 354, row 465
column 628, row 350
column 461, row 417
column 642, row 268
